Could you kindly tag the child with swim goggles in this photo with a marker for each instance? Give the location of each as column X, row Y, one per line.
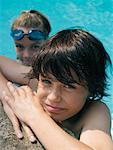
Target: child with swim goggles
column 29, row 31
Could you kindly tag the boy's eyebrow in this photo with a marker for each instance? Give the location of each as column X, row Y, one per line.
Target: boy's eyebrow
column 38, row 42
column 55, row 80
column 50, row 78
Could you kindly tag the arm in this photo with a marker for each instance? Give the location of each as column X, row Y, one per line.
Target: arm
column 54, row 137
column 13, row 71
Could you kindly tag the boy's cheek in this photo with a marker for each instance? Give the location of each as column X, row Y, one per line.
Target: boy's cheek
column 42, row 93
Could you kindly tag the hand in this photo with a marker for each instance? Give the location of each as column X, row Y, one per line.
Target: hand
column 16, row 123
column 25, row 103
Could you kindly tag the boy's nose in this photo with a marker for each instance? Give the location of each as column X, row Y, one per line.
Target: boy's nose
column 54, row 95
column 26, row 52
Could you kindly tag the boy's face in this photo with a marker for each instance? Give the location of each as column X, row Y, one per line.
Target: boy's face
column 61, row 101
column 26, row 48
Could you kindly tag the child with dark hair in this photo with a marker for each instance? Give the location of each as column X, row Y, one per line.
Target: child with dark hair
column 71, row 73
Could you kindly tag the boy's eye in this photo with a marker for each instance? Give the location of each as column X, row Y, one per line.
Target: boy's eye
column 18, row 45
column 35, row 46
column 46, row 81
column 69, row 86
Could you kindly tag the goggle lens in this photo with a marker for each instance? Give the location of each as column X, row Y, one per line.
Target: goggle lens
column 32, row 34
column 36, row 35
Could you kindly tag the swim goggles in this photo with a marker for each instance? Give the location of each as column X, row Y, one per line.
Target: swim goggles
column 33, row 34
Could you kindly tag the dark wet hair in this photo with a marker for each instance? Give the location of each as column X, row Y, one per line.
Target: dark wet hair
column 74, row 50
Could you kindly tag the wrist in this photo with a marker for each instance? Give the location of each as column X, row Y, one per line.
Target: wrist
column 36, row 118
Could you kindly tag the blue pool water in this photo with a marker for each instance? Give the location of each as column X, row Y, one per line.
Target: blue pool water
column 95, row 16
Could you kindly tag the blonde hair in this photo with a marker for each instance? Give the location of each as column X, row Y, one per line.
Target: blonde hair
column 32, row 19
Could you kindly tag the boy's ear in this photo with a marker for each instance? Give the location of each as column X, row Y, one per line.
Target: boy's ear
column 33, row 84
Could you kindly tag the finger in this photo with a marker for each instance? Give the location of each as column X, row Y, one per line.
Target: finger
column 12, row 89
column 21, row 92
column 29, row 132
column 28, row 91
column 35, row 95
column 4, row 93
column 16, row 127
column 8, row 99
column 13, row 120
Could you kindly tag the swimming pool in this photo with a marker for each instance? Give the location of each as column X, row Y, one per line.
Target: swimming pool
column 95, row 16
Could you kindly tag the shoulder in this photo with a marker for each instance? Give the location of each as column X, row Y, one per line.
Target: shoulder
column 93, row 113
column 97, row 107
column 97, row 126
column 97, row 115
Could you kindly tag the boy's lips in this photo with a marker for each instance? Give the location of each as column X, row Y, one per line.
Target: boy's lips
column 54, row 109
